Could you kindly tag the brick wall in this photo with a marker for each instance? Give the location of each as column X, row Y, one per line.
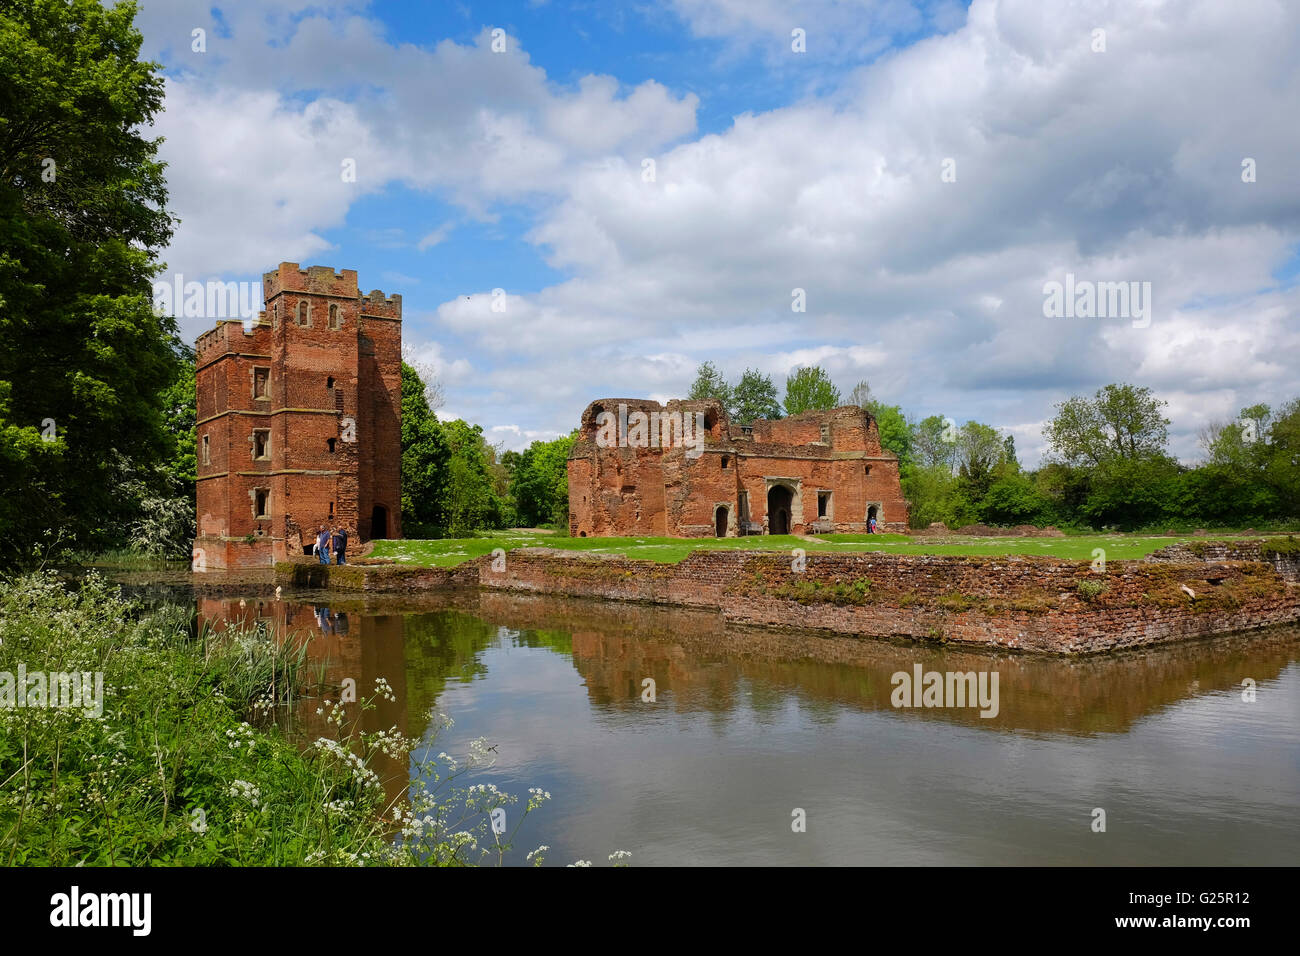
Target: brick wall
column 1022, row 603
column 331, row 358
column 1287, row 565
column 635, row 488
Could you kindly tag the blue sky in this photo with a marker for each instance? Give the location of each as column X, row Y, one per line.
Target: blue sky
column 1116, row 159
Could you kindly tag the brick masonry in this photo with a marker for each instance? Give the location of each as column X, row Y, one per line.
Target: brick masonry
column 1034, row 604
column 299, row 420
column 819, row 472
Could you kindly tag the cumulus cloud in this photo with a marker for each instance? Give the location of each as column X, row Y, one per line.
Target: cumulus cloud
column 1122, row 165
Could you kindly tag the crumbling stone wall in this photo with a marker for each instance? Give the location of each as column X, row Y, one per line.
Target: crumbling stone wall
column 1034, row 604
column 825, row 470
column 315, row 384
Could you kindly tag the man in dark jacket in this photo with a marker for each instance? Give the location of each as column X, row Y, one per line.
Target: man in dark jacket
column 340, row 544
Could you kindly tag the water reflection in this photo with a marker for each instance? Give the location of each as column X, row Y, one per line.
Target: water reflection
column 748, row 724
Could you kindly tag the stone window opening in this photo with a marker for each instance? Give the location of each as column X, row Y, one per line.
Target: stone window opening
column 747, row 431
column 262, row 444
column 331, row 509
column 336, row 322
column 330, row 443
column 329, row 382
column 207, row 450
column 262, row 503
column 826, row 434
column 866, row 470
column 824, row 504
column 725, row 462
column 261, row 382
column 303, row 317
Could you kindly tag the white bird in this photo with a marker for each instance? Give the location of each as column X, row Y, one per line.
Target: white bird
column 278, row 589
column 1188, row 591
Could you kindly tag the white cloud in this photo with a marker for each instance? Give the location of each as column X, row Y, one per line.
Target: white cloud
column 1116, row 165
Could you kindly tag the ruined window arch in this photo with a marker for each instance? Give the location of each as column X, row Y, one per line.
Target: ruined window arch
column 302, row 313
column 336, row 322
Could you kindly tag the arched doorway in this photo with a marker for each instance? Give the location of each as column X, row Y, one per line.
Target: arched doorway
column 873, row 512
column 720, row 522
column 378, row 522
column 779, row 499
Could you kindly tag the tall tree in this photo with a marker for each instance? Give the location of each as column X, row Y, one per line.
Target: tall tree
column 425, row 461
column 539, row 482
column 809, row 388
column 861, row 395
column 83, row 357
column 1120, row 421
column 754, row 397
column 894, row 430
column 709, row 383
column 979, row 449
column 934, row 442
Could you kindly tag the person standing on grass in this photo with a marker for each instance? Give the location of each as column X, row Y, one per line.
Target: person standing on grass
column 340, row 545
column 323, row 545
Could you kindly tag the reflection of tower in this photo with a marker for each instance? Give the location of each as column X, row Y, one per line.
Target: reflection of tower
column 345, row 646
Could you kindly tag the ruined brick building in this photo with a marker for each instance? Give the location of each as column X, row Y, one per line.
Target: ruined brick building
column 299, row 420
column 683, row 469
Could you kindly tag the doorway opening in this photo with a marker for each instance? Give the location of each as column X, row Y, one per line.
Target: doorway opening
column 720, row 522
column 779, row 500
column 379, row 522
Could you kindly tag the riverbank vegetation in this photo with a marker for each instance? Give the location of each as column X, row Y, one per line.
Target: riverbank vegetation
column 177, row 757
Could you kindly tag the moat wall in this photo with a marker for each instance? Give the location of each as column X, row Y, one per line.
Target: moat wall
column 1036, row 604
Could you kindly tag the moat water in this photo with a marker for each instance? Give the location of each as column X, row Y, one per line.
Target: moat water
column 748, row 726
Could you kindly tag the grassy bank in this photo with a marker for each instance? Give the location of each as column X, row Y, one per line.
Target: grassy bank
column 175, row 757
column 452, row 551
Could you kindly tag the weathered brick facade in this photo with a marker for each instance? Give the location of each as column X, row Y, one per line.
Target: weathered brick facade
column 822, row 471
column 1034, row 604
column 299, row 420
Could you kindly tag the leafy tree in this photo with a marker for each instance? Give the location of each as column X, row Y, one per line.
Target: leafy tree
column 425, row 462
column 709, row 383
column 1120, row 421
column 539, row 482
column 934, row 443
column 979, row 449
column 1009, row 458
column 861, row 395
column 895, row 432
column 1129, row 493
column 471, row 499
column 809, row 388
column 83, row 357
column 1012, row 499
column 754, row 397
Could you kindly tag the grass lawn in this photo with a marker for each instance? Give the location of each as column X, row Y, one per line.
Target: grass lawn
column 451, row 551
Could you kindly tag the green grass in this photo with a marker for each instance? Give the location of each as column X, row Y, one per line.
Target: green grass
column 448, row 552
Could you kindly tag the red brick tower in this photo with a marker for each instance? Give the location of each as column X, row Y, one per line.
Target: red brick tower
column 299, row 420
